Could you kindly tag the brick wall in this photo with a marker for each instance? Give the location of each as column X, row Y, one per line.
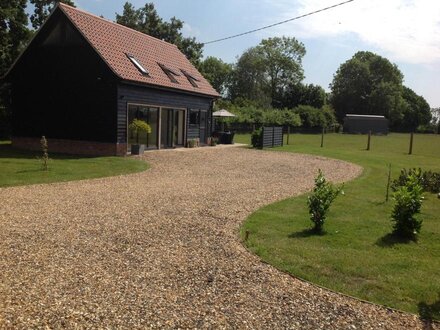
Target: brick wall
column 73, row 147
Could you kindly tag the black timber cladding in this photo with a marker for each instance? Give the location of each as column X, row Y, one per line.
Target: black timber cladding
column 130, row 93
column 272, row 137
column 61, row 88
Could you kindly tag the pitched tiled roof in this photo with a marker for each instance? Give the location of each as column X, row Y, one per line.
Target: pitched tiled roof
column 113, row 42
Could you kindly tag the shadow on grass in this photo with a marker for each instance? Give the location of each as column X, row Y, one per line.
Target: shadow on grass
column 306, row 233
column 36, row 170
column 389, row 240
column 429, row 312
column 379, row 203
column 7, row 151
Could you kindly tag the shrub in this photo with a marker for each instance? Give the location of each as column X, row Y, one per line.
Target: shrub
column 427, row 129
column 409, row 198
column 312, row 117
column 138, row 126
column 430, row 181
column 257, row 138
column 319, row 202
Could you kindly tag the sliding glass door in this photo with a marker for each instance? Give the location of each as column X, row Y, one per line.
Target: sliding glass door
column 179, row 127
column 167, row 126
column 172, row 128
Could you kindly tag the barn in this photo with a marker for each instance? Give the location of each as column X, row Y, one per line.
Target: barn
column 362, row 124
column 83, row 79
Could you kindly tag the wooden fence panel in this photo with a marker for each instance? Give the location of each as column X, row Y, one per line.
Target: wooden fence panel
column 272, row 137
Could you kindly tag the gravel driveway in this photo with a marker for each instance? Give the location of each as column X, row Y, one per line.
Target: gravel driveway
column 161, row 249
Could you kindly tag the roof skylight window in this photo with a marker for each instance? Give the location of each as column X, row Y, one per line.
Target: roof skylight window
column 192, row 80
column 169, row 72
column 137, row 64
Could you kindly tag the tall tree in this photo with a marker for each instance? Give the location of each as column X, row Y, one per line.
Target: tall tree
column 435, row 113
column 303, row 94
column 130, row 16
column 13, row 36
column 217, row 73
column 147, row 20
column 435, row 121
column 416, row 111
column 248, row 79
column 368, row 84
column 13, row 31
column 270, row 68
column 43, row 9
column 282, row 60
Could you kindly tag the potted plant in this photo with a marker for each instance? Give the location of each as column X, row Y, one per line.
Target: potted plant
column 138, row 126
column 212, row 141
column 193, row 143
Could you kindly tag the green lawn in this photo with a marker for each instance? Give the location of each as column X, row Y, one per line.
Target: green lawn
column 19, row 167
column 357, row 256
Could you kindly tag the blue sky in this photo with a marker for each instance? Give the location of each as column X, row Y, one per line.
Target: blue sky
column 407, row 32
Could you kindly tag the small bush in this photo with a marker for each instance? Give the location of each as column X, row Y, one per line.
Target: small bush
column 409, row 198
column 319, row 202
column 45, row 155
column 257, row 138
column 430, row 181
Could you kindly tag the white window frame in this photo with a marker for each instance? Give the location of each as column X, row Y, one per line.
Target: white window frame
column 137, row 64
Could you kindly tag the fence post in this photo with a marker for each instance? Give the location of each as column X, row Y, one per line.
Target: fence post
column 369, row 139
column 273, row 136
column 282, row 137
column 411, row 143
column 322, row 138
column 388, row 183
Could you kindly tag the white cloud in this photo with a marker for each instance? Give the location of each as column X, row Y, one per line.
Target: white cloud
column 405, row 30
column 189, row 31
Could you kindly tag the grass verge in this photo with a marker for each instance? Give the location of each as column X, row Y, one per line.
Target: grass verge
column 20, row 167
column 357, row 256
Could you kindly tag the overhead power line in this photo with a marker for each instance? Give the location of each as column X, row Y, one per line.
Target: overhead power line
column 279, row 23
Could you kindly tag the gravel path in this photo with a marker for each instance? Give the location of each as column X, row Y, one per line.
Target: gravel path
column 160, row 249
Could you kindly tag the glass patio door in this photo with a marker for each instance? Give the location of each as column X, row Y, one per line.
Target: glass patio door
column 179, row 127
column 172, row 128
column 166, row 124
column 203, row 126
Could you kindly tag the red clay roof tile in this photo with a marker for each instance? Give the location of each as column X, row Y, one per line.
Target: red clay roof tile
column 113, row 41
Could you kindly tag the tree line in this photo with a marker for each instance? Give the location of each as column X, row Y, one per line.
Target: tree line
column 265, row 79
column 270, row 75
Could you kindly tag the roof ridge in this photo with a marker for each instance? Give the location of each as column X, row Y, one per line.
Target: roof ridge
column 60, row 4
